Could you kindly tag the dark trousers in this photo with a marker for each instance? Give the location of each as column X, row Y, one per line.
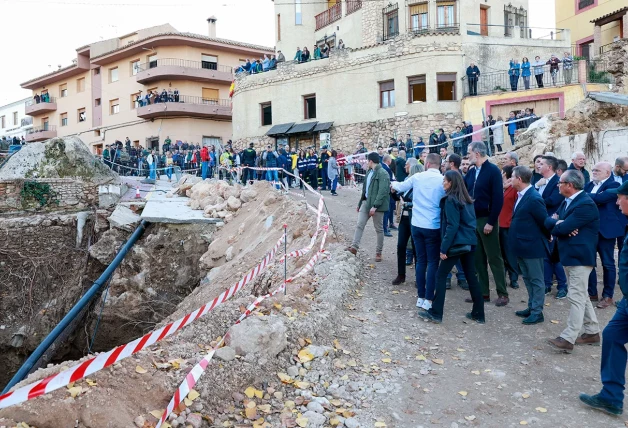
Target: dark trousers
column 468, row 266
column 489, row 252
column 614, row 355
column 550, row 269
column 473, row 86
column 313, row 173
column 405, row 232
column 532, row 272
column 388, row 215
column 427, row 249
column 606, row 250
column 514, row 82
column 248, row 174
column 539, row 80
column 510, row 259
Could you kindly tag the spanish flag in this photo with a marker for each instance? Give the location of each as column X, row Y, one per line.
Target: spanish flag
column 232, row 89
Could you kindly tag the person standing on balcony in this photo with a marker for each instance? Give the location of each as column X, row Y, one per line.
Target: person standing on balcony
column 538, row 71
column 525, row 72
column 553, row 63
column 567, row 68
column 176, row 95
column 297, row 56
column 513, row 72
column 317, row 52
column 473, row 73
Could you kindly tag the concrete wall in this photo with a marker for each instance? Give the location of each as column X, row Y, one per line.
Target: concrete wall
column 293, row 35
column 610, row 143
column 580, row 23
column 348, row 29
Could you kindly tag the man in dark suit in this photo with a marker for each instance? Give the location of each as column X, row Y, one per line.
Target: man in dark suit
column 612, row 226
column 620, row 175
column 529, row 241
column 547, row 187
column 576, row 226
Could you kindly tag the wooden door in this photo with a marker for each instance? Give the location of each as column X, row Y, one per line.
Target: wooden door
column 483, row 21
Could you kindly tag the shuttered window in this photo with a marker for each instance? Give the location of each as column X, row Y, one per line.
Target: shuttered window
column 418, row 17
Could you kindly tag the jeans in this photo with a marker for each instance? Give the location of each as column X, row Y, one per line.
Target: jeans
column 468, row 266
column 532, row 272
column 388, row 216
column 526, row 82
column 512, row 139
column 510, row 259
column 582, row 318
column 153, row 171
column 550, row 269
column 539, row 80
column 204, row 169
column 363, row 217
column 405, row 232
column 488, row 250
column 614, row 354
column 334, row 184
column 273, row 177
column 514, row 82
column 554, row 75
column 606, row 250
column 460, row 274
column 427, row 249
column 169, row 172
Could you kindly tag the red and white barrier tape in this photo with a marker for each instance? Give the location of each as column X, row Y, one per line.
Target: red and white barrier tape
column 195, row 374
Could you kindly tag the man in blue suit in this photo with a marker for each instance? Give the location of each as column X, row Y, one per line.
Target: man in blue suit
column 620, row 175
column 614, row 354
column 576, row 226
column 529, row 241
column 612, row 226
column 547, row 187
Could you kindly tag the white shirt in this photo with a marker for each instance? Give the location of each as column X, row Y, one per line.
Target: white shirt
column 570, row 200
column 520, row 195
column 427, row 191
column 542, row 188
column 597, row 186
column 618, row 178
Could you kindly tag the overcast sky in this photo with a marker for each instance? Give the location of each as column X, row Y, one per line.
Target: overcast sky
column 39, row 35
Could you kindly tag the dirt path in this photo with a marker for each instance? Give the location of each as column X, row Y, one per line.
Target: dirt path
column 411, row 373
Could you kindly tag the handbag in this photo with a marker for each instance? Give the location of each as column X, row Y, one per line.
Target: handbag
column 458, row 250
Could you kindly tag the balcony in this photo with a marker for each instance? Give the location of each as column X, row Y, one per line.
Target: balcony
column 41, row 133
column 34, row 108
column 188, row 106
column 171, row 68
column 353, row 5
column 332, row 14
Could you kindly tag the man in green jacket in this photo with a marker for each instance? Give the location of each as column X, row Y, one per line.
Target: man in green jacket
column 373, row 203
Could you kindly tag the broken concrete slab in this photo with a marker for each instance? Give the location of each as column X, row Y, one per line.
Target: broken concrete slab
column 124, row 218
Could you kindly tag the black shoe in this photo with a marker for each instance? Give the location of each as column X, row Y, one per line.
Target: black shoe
column 598, row 403
column 462, row 283
column 514, row 285
column 470, row 316
column 523, row 314
column 548, row 291
column 393, row 227
column 533, row 319
column 428, row 317
column 388, row 234
column 334, row 194
column 448, row 284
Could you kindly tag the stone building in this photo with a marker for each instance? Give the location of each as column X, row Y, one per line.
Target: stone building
column 95, row 97
column 402, row 71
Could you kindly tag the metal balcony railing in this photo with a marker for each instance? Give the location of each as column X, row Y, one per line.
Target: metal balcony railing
column 448, row 27
column 332, row 14
column 41, row 128
column 33, row 102
column 162, row 62
column 189, row 99
column 353, row 5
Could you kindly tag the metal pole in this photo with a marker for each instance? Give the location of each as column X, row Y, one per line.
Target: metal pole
column 285, row 260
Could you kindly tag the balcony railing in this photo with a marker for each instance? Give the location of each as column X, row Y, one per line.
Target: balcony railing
column 42, row 128
column 188, row 99
column 353, row 5
column 332, row 14
column 162, row 62
column 52, row 100
column 448, row 28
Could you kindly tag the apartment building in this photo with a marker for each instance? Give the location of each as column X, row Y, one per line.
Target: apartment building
column 403, row 70
column 95, row 97
column 13, row 120
column 594, row 24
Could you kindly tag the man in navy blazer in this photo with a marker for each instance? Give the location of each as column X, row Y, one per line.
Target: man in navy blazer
column 612, row 226
column 547, row 187
column 576, row 226
column 620, row 175
column 529, row 241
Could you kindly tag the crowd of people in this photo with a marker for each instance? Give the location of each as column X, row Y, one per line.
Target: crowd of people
column 551, row 221
column 43, row 98
column 525, row 69
column 155, row 97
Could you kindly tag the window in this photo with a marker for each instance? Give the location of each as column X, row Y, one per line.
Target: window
column 113, row 75
column 267, row 114
column 278, row 27
column 44, row 123
column 210, row 96
column 80, row 115
column 209, row 62
column 96, row 102
column 152, row 61
column 446, row 83
column 80, row 85
column 135, row 67
column 417, row 89
column 96, row 71
column 114, row 106
column 418, row 17
column 309, row 106
column 585, row 3
column 134, row 103
column 63, row 90
column 3, row 122
column 391, row 21
column 14, row 118
column 387, row 94
column 64, row 119
column 298, row 17
column 445, row 15
column 97, row 133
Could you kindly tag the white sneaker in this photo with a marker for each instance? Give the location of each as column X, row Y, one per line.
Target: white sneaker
column 427, row 305
column 419, row 302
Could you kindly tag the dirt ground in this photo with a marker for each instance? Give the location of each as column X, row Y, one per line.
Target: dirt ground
column 499, row 374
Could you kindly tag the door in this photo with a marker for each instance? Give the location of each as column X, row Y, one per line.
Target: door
column 212, row 141
column 483, row 21
column 210, row 96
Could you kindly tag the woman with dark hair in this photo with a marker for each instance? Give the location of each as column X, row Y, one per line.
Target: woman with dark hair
column 333, row 171
column 458, row 241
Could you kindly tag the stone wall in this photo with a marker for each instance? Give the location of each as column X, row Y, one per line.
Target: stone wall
column 617, row 60
column 372, row 22
column 70, row 194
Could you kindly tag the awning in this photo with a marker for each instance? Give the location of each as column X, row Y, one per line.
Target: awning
column 302, row 128
column 279, row 129
column 322, row 127
column 610, row 17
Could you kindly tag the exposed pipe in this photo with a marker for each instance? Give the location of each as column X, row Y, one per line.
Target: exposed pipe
column 76, row 309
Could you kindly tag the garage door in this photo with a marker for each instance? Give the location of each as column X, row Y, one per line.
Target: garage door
column 540, row 108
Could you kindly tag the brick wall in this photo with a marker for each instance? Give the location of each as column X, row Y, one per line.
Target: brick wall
column 71, row 194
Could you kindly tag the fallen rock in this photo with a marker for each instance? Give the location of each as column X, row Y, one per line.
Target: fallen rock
column 258, row 335
column 195, row 420
column 229, row 254
column 226, row 353
column 107, row 246
column 139, row 421
column 124, row 218
column 248, row 195
column 233, row 203
column 352, row 423
column 314, row 419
